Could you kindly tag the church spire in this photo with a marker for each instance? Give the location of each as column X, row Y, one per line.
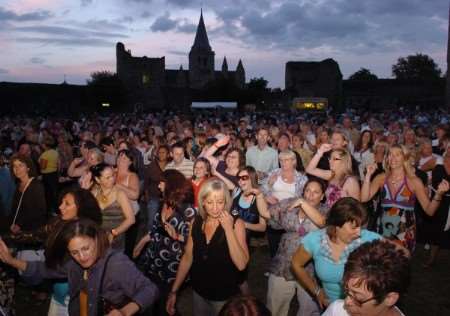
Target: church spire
column 225, row 65
column 201, row 38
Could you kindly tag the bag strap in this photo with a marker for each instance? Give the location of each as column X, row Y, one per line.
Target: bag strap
column 20, row 200
column 103, row 275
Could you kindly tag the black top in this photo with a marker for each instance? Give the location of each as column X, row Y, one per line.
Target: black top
column 213, row 273
column 33, row 210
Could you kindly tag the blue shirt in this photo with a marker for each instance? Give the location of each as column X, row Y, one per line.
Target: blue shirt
column 327, row 270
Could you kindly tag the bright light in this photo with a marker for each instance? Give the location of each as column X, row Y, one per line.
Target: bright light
column 105, row 105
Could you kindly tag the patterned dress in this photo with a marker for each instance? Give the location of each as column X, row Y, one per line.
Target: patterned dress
column 162, row 256
column 398, row 221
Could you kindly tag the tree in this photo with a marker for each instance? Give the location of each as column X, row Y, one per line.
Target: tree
column 363, row 74
column 417, row 66
column 103, row 77
column 258, row 84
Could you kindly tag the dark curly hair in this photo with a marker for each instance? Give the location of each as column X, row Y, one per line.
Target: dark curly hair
column 178, row 190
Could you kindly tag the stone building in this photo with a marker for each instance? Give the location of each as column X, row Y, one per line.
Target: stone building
column 149, row 83
column 314, row 79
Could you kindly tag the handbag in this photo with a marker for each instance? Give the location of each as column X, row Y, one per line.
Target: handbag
column 104, row 306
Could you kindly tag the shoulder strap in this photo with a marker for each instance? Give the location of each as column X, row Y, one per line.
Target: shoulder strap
column 100, row 287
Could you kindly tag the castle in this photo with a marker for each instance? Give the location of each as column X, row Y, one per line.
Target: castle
column 151, row 85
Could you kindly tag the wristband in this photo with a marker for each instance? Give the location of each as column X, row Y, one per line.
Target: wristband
column 317, row 292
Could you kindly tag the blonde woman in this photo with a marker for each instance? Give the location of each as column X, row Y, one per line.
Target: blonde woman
column 215, row 252
column 399, row 190
column 342, row 183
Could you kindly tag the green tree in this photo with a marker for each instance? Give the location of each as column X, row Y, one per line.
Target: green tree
column 363, row 74
column 417, row 66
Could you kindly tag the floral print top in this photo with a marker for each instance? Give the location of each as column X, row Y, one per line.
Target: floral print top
column 296, row 229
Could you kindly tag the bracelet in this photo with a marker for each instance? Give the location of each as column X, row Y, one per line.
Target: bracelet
column 317, row 292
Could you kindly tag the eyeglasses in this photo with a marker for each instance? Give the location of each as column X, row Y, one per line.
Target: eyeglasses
column 356, row 301
column 243, row 178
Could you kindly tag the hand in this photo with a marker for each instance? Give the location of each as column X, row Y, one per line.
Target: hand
column 140, row 245
column 222, row 142
column 296, row 204
column 15, row 229
column 324, row 148
column 271, row 200
column 322, row 299
column 115, row 312
column 370, row 170
column 86, row 180
column 226, row 221
column 253, row 191
column 5, row 254
column 170, row 303
column 78, row 160
column 443, row 187
column 171, row 231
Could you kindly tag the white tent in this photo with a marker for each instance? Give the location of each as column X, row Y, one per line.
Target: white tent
column 214, row 105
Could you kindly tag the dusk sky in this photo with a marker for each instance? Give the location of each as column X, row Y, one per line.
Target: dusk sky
column 41, row 40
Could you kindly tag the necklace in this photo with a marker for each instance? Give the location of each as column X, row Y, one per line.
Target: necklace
column 104, row 197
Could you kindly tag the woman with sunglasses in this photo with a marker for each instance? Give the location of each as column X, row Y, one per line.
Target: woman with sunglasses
column 329, row 248
column 341, row 181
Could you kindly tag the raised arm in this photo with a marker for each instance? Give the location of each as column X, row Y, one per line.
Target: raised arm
column 209, row 154
column 428, row 206
column 312, row 166
column 370, row 188
column 316, row 217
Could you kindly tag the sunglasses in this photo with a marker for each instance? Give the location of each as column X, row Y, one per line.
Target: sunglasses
column 244, row 178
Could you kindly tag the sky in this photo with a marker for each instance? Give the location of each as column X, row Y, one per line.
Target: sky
column 48, row 40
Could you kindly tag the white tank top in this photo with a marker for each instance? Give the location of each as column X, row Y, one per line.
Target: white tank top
column 283, row 190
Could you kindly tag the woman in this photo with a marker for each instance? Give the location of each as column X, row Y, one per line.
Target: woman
column 168, row 235
column 91, row 262
column 29, row 207
column 341, row 181
column 248, row 203
column 234, row 160
column 117, row 212
column 127, row 179
column 363, row 152
column 152, row 178
column 329, row 248
column 202, row 171
column 435, row 226
column 48, row 165
column 215, row 252
column 75, row 203
column 81, row 165
column 298, row 145
column 400, row 188
column 309, row 216
column 283, row 183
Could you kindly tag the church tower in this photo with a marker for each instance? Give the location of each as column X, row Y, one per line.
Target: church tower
column 201, row 58
column 240, row 75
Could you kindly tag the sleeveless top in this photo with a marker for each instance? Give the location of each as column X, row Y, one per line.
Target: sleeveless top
column 248, row 212
column 398, row 221
column 112, row 216
column 213, row 274
column 334, row 192
column 283, row 190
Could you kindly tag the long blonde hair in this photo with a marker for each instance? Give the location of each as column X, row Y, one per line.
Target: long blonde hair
column 210, row 185
column 408, row 160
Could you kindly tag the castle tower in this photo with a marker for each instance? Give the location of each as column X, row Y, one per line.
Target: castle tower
column 448, row 63
column 201, row 58
column 240, row 75
column 225, row 67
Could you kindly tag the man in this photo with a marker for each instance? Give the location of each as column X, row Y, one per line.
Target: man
column 262, row 157
column 110, row 150
column 179, row 162
column 376, row 275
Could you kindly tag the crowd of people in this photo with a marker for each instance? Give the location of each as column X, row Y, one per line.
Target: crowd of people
column 122, row 212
